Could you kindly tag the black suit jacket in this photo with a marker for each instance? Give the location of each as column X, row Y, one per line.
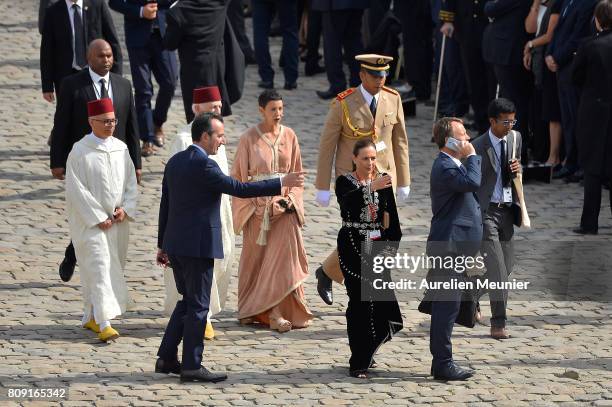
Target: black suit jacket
column 71, row 124
column 505, row 37
column 56, row 53
column 138, row 29
column 591, row 73
column 190, row 208
column 468, row 18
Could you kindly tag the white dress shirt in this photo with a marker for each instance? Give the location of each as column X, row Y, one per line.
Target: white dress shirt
column 498, row 194
column 69, row 4
column 96, row 84
column 367, row 96
column 455, row 160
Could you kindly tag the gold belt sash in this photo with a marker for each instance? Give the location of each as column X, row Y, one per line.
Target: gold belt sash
column 357, row 134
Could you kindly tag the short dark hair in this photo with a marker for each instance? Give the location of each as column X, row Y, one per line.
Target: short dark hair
column 603, row 14
column 443, row 128
column 500, row 106
column 203, row 124
column 267, row 96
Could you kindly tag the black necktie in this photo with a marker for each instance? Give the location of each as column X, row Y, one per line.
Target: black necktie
column 503, row 162
column 103, row 91
column 79, row 37
column 373, row 107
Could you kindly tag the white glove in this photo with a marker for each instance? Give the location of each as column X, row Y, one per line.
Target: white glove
column 402, row 193
column 323, row 197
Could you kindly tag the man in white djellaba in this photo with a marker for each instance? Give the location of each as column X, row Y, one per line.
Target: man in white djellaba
column 207, row 99
column 101, row 197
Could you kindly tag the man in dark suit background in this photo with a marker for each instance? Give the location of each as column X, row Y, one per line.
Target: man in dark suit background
column 503, row 44
column 573, row 27
column 341, row 31
column 196, row 29
column 189, row 239
column 65, row 37
column 71, row 122
column 145, row 26
column 499, row 203
column 456, row 230
column 465, row 20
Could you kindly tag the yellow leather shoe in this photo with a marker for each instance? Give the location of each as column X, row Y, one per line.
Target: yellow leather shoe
column 92, row 326
column 209, row 332
column 108, row 334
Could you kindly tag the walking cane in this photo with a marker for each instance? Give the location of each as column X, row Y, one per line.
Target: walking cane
column 439, row 77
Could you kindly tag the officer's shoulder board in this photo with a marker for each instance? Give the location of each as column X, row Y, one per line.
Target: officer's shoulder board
column 344, row 94
column 390, row 90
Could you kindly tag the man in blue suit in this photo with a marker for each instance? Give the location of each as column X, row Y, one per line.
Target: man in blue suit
column 145, row 26
column 456, row 230
column 189, row 239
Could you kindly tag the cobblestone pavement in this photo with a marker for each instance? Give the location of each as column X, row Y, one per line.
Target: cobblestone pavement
column 42, row 344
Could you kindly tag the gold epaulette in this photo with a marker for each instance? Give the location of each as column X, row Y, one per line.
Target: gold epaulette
column 390, row 90
column 446, row 16
column 344, row 94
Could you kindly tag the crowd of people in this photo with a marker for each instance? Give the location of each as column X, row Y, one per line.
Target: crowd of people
column 102, row 128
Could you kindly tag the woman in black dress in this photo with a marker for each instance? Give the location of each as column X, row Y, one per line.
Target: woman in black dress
column 367, row 205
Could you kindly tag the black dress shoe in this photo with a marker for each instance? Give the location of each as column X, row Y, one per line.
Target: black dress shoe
column 66, row 269
column 451, row 372
column 313, row 70
column 583, row 231
column 290, row 86
column 167, row 367
column 562, row 173
column 202, row 375
column 327, row 94
column 265, row 85
column 324, row 286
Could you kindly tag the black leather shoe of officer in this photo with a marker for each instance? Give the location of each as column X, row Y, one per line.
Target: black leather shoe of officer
column 167, row 367
column 451, row 372
column 66, row 269
column 202, row 375
column 327, row 94
column 312, row 70
column 265, row 85
column 324, row 286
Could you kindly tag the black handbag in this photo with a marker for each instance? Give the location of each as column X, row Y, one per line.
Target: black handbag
column 467, row 310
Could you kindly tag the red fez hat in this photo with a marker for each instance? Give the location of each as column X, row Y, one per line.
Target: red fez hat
column 100, row 106
column 207, row 94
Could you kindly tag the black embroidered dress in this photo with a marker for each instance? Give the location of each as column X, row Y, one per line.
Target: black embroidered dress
column 372, row 317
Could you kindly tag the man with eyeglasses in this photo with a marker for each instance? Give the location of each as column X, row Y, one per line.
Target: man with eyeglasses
column 500, row 149
column 101, row 198
column 71, row 121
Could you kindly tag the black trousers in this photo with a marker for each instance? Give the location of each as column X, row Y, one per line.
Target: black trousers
column 417, row 37
column 342, row 30
column 592, row 201
column 480, row 80
column 515, row 85
column 193, row 277
column 313, row 38
column 235, row 14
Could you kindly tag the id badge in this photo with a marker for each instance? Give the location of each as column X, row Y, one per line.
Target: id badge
column 380, row 146
column 374, row 234
column 508, row 194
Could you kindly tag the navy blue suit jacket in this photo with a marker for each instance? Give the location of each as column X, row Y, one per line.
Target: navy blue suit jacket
column 189, row 213
column 573, row 27
column 138, row 29
column 456, row 226
column 505, row 37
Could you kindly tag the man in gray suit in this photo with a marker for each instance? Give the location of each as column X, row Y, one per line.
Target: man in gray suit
column 499, row 203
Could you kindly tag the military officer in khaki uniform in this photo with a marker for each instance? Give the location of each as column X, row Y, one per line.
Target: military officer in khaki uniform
column 370, row 110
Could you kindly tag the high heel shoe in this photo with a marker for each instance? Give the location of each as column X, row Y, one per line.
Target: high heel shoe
column 359, row 374
column 280, row 324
